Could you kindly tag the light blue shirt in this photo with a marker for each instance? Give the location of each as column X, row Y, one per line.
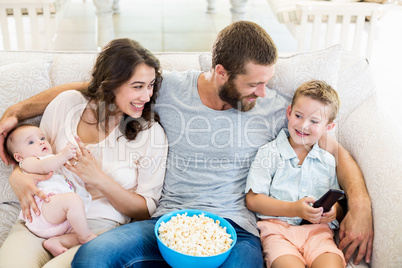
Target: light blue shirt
column 275, row 172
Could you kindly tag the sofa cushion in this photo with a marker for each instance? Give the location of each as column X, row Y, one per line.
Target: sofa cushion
column 71, row 67
column 8, row 215
column 371, row 136
column 355, row 84
column 19, row 81
column 293, row 69
column 179, row 61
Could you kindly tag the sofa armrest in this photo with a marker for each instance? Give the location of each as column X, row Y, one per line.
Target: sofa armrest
column 374, row 140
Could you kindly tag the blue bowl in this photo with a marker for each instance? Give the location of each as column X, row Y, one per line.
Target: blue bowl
column 178, row 259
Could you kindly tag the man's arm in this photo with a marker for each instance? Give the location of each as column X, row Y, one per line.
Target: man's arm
column 356, row 229
column 37, row 104
column 29, row 108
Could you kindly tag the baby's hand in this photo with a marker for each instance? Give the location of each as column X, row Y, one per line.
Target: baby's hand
column 69, row 151
column 329, row 216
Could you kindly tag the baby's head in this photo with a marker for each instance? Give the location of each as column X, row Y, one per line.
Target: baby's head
column 26, row 141
column 311, row 114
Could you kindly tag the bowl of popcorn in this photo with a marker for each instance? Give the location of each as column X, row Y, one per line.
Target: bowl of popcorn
column 194, row 238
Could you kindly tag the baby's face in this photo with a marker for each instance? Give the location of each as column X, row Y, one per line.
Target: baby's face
column 30, row 141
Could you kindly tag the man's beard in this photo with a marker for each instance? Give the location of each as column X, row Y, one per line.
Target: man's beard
column 229, row 94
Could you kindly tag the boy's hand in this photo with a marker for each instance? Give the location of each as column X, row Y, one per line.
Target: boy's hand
column 329, row 216
column 306, row 211
column 70, row 151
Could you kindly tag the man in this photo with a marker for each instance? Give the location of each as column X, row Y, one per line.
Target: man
column 215, row 122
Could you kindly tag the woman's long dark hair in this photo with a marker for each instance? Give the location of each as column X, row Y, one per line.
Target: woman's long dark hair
column 114, row 66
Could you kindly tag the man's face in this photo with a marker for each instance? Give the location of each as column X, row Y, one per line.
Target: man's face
column 242, row 91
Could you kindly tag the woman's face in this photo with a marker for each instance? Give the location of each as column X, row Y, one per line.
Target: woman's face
column 134, row 93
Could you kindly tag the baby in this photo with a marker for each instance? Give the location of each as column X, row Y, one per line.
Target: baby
column 62, row 220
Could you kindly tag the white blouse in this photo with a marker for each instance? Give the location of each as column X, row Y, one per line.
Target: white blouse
column 137, row 165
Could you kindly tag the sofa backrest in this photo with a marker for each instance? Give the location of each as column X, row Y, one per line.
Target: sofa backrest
column 23, row 74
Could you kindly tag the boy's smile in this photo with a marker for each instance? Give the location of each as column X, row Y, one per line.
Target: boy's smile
column 308, row 121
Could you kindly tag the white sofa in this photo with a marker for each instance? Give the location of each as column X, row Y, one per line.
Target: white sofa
column 363, row 127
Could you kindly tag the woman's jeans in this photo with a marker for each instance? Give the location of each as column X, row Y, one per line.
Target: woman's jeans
column 135, row 245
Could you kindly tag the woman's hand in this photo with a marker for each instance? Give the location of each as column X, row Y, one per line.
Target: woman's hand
column 86, row 167
column 127, row 202
column 24, row 187
column 306, row 211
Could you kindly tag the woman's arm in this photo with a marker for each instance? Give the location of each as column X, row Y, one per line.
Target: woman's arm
column 129, row 203
column 356, row 229
column 138, row 205
column 31, row 107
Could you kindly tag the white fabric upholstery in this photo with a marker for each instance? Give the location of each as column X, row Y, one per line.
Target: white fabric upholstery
column 19, row 81
column 375, row 142
column 363, row 127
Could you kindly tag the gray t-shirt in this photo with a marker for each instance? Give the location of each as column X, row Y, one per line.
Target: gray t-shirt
column 210, row 152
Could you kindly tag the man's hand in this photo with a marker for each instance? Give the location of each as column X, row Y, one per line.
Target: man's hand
column 356, row 231
column 7, row 123
column 24, row 187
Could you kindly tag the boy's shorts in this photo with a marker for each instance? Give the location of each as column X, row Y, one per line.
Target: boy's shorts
column 307, row 242
column 40, row 227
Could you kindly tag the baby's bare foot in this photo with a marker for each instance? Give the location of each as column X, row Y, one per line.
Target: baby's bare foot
column 54, row 246
column 87, row 238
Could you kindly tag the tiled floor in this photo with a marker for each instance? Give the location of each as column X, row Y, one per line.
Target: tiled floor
column 164, row 25
column 183, row 25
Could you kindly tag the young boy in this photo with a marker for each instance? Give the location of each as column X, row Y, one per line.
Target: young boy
column 290, row 173
column 62, row 220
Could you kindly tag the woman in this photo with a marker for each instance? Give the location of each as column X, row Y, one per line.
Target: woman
column 123, row 148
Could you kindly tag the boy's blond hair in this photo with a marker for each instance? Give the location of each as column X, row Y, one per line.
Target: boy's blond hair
column 321, row 91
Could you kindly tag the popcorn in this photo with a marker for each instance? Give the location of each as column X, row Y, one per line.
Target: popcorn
column 198, row 235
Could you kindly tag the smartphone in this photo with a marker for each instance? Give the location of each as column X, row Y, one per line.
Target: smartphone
column 327, row 201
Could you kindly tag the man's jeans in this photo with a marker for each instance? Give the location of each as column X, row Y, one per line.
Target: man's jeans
column 135, row 245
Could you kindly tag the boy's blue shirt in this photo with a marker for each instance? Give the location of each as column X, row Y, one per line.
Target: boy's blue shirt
column 275, row 172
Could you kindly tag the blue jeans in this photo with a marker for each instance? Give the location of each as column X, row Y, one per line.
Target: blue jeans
column 134, row 245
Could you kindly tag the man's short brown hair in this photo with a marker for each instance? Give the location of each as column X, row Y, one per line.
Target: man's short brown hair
column 240, row 43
